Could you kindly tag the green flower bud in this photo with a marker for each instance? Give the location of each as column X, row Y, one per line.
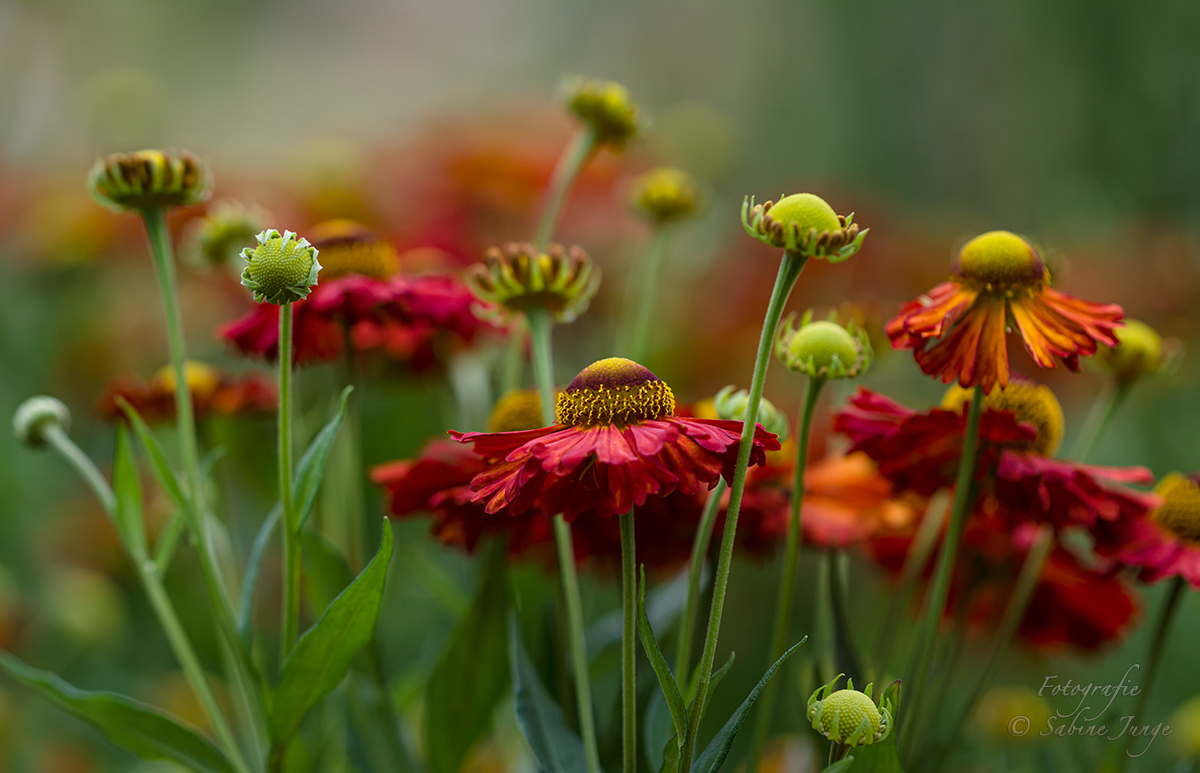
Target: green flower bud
column 849, row 717
column 518, row 277
column 281, row 269
column 805, row 224
column 731, row 403
column 1141, row 351
column 35, row 416
column 148, row 179
column 222, row 234
column 665, row 194
column 606, row 106
column 823, row 349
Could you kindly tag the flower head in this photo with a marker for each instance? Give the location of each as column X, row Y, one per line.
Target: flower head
column 665, row 194
column 519, row 277
column 999, row 279
column 515, row 411
column 823, row 349
column 219, row 236
column 1167, row 543
column 803, row 223
column 849, row 717
column 731, row 404
column 213, row 393
column 606, row 107
column 1030, row 402
column 37, row 414
column 148, row 179
column 1140, row 352
column 350, row 248
column 617, row 445
column 281, row 269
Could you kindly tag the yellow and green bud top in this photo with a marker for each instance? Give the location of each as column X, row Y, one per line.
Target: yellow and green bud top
column 849, row 717
column 518, row 410
column 1000, row 261
column 36, row 415
column 148, row 179
column 731, row 404
column 665, row 194
column 1179, row 512
column 281, row 269
column 823, row 349
column 1141, row 352
column 348, row 247
column 219, row 237
column 1010, row 712
column 1029, row 401
column 614, row 391
column 606, row 107
column 1185, row 729
column 518, row 277
column 804, row 224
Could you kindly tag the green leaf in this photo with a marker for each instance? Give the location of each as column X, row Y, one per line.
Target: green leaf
column 128, row 492
column 158, row 460
column 311, row 468
column 557, row 749
column 328, row 574
column 842, row 765
column 323, row 654
column 882, row 757
column 141, row 729
column 657, row 730
column 714, row 756
column 666, row 680
column 250, row 576
column 471, row 678
column 717, row 676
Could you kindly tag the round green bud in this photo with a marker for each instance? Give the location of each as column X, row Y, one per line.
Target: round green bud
column 148, row 179
column 731, row 404
column 1141, row 351
column 665, row 194
column 805, row 211
column 281, row 269
column 803, row 223
column 35, row 416
column 605, row 106
column 849, row 717
column 222, row 234
column 823, row 349
column 823, row 343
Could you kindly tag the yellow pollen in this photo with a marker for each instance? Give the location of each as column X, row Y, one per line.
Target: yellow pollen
column 1180, row 511
column 518, row 410
column 1000, row 260
column 1031, row 402
column 614, row 391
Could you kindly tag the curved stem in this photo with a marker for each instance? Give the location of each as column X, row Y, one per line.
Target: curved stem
column 645, row 288
column 1157, row 646
column 687, row 624
column 87, row 470
column 543, row 371
column 576, row 155
column 1099, row 418
column 935, row 603
column 787, row 577
column 789, row 271
column 628, row 645
column 291, row 526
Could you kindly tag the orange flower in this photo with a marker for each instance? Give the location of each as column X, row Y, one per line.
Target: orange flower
column 998, row 280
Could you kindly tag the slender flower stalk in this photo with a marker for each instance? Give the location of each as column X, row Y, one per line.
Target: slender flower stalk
column 582, row 148
column 1157, row 646
column 787, row 578
column 540, row 325
column 645, row 287
column 628, row 645
column 687, row 623
column 1100, row 417
column 291, row 525
column 935, row 602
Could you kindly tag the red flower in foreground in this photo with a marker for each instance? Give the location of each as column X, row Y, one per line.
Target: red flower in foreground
column 360, row 297
column 998, row 282
column 1167, row 543
column 617, row 444
column 213, row 392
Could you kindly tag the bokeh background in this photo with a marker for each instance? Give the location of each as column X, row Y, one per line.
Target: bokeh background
column 1075, row 123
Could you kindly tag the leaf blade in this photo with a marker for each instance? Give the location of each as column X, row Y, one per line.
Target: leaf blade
column 161, row 468
column 311, row 467
column 666, row 679
column 557, row 749
column 128, row 491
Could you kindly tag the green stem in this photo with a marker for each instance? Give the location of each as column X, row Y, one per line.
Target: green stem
column 787, row 578
column 645, row 288
column 789, row 271
column 291, row 526
column 935, row 603
column 1099, row 418
column 576, row 155
column 628, row 645
column 543, row 371
column 687, row 624
column 1157, row 646
column 1014, row 613
column 351, row 440
column 75, row 457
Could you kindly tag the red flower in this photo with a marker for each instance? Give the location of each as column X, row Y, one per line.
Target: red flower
column 617, row 445
column 1167, row 543
column 999, row 281
column 213, row 392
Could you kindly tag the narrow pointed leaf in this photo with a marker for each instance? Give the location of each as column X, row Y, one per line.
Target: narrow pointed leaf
column 128, row 491
column 670, row 688
column 471, row 677
column 557, row 749
column 158, row 459
column 326, row 572
column 141, row 729
column 842, row 766
column 311, row 467
column 250, row 576
column 714, row 756
column 323, row 654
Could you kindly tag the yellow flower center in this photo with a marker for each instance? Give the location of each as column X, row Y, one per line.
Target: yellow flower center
column 806, row 211
column 1180, row 511
column 850, row 708
column 518, row 410
column 202, row 378
column 1030, row 402
column 1000, row 260
column 347, row 247
column 614, row 391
